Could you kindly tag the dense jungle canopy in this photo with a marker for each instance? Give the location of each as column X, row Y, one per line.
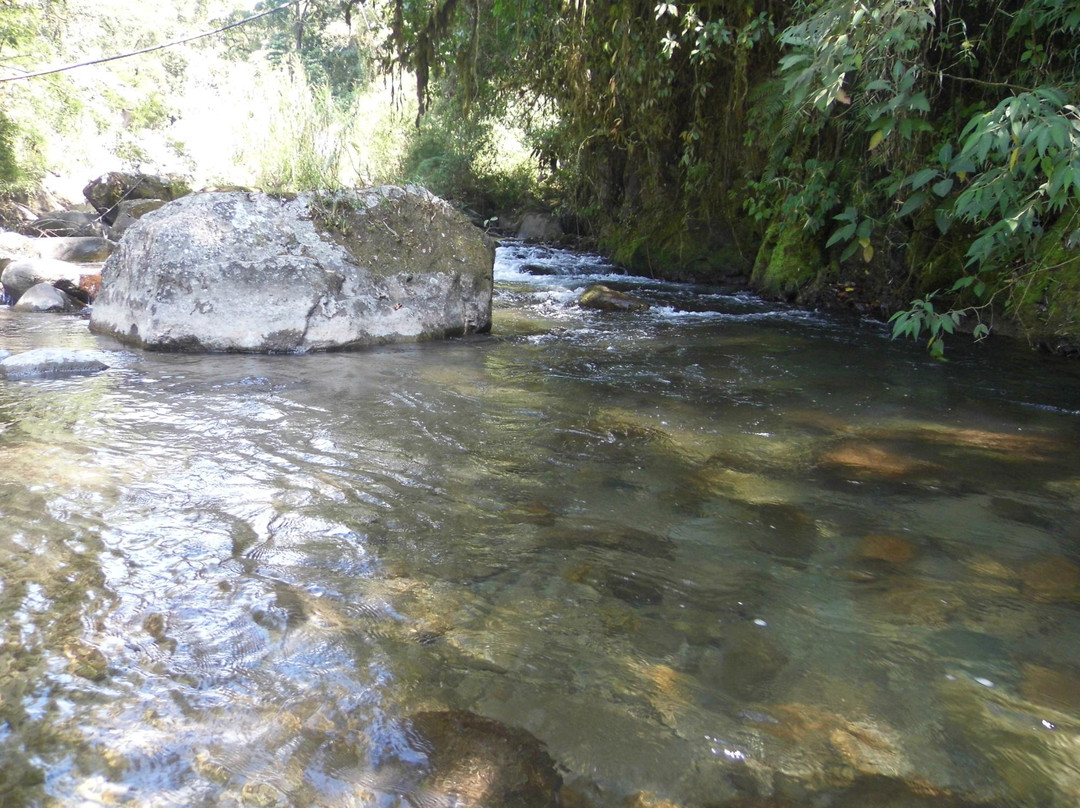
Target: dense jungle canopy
column 908, row 157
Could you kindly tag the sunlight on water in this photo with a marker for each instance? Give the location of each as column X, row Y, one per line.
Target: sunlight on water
column 715, row 553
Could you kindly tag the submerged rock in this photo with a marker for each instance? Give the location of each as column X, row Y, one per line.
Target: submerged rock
column 51, row 362
column 890, row 549
column 1032, row 747
column 568, row 534
column 1055, row 580
column 821, row 750
column 480, row 763
column 869, row 460
column 256, row 273
column 85, row 660
column 1055, row 688
column 746, row 665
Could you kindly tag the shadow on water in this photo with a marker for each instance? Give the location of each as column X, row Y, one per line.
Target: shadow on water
column 714, row 554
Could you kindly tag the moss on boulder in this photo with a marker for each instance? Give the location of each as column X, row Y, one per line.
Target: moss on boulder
column 789, row 258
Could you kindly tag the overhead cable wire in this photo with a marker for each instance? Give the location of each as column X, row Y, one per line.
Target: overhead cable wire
column 162, row 46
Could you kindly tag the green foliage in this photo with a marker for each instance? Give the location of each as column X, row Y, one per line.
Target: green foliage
column 9, row 167
column 319, row 35
column 929, row 95
column 460, row 158
column 302, row 148
column 923, row 316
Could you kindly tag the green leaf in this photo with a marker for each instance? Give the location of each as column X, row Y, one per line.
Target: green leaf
column 921, row 177
column 962, row 165
column 913, row 203
column 918, row 102
column 794, row 59
column 843, row 234
column 943, row 187
column 943, row 220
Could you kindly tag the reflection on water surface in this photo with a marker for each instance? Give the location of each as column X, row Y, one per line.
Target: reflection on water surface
column 714, row 553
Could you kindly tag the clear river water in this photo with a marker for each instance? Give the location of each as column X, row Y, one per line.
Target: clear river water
column 719, row 553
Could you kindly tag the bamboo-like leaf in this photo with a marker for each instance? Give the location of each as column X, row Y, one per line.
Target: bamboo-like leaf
column 922, row 177
column 913, row 203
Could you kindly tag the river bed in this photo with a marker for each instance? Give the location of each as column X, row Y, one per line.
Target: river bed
column 722, row 552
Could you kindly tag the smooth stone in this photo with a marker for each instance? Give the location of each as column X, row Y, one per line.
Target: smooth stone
column 746, row 665
column 21, row 274
column 76, row 250
column 130, row 211
column 52, row 362
column 44, row 297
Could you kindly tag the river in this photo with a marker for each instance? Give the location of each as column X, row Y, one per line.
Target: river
column 722, row 552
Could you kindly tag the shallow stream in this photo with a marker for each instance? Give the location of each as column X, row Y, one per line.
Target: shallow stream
column 717, row 552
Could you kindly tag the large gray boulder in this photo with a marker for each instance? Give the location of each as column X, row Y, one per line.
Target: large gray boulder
column 21, row 275
column 240, row 271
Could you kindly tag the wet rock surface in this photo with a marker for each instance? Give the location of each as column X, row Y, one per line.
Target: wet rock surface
column 481, row 763
column 605, row 298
